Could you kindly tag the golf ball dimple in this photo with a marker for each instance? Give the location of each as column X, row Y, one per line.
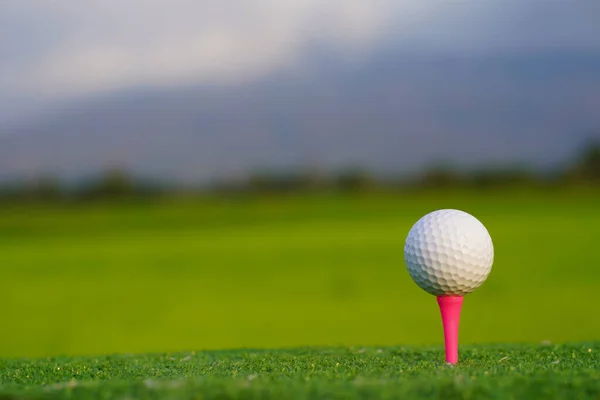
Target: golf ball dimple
column 449, row 252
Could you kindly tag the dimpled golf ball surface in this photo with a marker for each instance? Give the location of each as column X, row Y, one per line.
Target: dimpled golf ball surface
column 449, row 252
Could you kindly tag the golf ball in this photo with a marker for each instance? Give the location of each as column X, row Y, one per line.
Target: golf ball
column 449, row 252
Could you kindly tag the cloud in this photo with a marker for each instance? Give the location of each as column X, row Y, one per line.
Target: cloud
column 111, row 44
column 68, row 47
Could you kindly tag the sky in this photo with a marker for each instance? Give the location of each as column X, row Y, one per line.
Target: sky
column 57, row 54
column 52, row 50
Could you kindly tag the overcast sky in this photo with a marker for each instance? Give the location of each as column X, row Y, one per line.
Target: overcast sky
column 54, row 50
column 293, row 82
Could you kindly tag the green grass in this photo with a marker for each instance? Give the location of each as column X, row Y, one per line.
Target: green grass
column 285, row 272
column 486, row 372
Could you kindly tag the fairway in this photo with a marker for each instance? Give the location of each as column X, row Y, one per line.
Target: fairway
column 279, row 272
column 492, row 372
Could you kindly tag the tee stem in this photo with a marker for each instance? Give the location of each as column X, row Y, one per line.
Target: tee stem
column 450, row 307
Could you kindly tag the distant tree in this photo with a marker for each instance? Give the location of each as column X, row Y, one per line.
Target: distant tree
column 285, row 181
column 41, row 189
column 266, row 181
column 354, row 179
column 10, row 191
column 587, row 166
column 114, row 182
column 442, row 175
column 313, row 179
column 514, row 176
column 46, row 188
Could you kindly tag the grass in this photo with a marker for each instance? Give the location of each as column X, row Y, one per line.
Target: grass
column 570, row 371
column 285, row 272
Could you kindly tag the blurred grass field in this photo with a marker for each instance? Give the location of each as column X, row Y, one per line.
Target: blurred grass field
column 285, row 271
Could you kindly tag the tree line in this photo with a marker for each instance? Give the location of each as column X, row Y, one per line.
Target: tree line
column 117, row 183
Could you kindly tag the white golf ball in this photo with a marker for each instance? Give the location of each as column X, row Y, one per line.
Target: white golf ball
column 449, row 252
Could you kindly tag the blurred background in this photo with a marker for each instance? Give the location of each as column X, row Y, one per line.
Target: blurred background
column 203, row 175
